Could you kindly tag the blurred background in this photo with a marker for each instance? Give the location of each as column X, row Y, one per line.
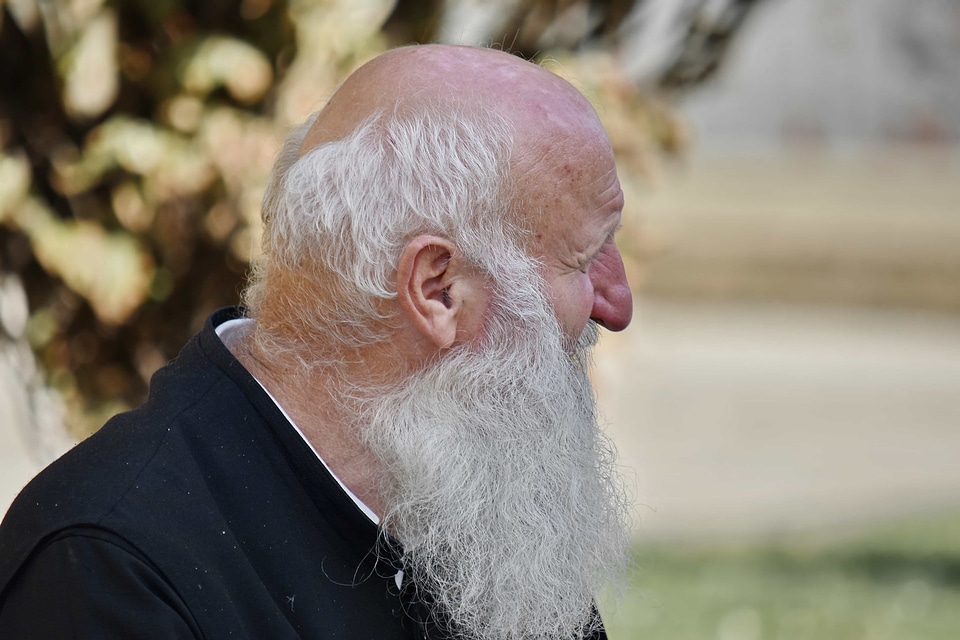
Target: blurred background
column 787, row 403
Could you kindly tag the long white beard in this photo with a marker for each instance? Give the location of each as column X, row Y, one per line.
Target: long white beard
column 500, row 485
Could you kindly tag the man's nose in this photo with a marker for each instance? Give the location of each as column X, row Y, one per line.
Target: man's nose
column 612, row 299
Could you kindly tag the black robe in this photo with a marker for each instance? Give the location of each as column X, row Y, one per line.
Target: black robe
column 200, row 514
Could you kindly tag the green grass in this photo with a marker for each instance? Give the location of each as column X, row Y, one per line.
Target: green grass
column 896, row 582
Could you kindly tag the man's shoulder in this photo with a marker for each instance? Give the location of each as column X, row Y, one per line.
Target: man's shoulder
column 86, row 483
column 106, row 463
column 139, row 469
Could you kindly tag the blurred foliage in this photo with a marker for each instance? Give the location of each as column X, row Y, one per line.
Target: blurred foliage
column 136, row 137
column 894, row 581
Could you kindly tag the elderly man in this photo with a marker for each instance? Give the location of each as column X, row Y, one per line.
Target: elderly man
column 397, row 439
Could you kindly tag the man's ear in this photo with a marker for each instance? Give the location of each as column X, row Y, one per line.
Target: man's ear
column 437, row 290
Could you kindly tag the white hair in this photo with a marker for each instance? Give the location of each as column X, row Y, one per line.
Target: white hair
column 344, row 211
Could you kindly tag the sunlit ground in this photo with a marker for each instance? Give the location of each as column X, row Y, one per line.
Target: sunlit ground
column 751, row 419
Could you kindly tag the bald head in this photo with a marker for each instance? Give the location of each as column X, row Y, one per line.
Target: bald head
column 564, row 185
column 538, row 104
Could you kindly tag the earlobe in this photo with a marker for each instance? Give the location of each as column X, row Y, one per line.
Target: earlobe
column 431, row 285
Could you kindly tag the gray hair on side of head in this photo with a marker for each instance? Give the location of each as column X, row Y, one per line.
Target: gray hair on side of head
column 343, row 212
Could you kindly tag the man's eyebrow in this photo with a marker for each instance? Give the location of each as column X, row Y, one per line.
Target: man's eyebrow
column 612, row 233
column 606, row 239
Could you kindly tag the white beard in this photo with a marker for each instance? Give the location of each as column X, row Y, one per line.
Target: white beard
column 498, row 481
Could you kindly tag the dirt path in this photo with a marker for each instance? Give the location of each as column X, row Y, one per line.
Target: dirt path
column 750, row 420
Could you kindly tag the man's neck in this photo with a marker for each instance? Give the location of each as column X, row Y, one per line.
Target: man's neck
column 313, row 401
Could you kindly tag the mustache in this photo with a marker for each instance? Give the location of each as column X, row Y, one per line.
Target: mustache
column 589, row 337
column 581, row 351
